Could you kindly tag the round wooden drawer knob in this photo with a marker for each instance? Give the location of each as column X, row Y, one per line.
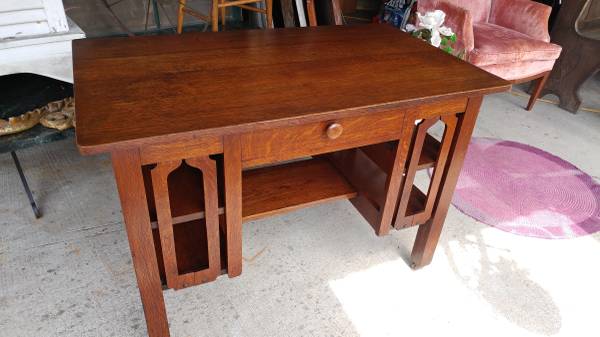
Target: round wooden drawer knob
column 334, row 130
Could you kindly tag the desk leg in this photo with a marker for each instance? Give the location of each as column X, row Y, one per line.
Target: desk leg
column 232, row 167
column 429, row 233
column 128, row 174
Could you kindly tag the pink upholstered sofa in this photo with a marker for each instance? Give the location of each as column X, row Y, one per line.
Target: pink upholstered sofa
column 508, row 38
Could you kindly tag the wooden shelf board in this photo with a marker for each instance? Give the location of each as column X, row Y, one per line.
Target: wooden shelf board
column 431, row 149
column 276, row 189
column 383, row 154
column 416, row 202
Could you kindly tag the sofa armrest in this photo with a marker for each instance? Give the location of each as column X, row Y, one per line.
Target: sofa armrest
column 457, row 18
column 525, row 16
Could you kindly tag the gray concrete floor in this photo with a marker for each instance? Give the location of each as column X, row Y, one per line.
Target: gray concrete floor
column 315, row 272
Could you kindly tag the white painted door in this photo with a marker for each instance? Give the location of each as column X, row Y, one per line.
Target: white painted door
column 20, row 18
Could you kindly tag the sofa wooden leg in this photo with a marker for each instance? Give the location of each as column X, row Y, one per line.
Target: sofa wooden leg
column 539, row 85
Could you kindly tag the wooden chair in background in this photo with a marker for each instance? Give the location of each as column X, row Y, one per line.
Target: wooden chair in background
column 335, row 8
column 220, row 7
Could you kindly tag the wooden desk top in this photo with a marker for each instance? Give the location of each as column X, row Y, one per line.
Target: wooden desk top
column 143, row 90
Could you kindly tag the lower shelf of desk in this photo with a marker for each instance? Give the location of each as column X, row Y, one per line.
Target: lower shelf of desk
column 283, row 188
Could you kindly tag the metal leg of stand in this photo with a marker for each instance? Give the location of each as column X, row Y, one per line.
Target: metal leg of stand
column 36, row 210
column 156, row 14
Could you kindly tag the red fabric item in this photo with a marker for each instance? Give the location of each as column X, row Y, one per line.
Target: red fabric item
column 525, row 16
column 498, row 45
column 519, row 70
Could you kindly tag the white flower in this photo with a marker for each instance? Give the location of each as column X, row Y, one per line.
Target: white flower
column 431, row 20
column 410, row 28
column 446, row 31
column 436, row 39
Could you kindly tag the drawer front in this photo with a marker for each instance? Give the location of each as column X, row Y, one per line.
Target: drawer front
column 266, row 146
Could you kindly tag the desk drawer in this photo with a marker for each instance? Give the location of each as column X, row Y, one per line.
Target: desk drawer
column 266, row 146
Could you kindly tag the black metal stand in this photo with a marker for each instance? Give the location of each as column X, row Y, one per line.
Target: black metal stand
column 36, row 210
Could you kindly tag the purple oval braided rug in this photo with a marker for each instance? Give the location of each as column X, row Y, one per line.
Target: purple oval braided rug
column 524, row 190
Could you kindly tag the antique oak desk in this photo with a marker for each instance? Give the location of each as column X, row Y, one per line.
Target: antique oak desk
column 210, row 130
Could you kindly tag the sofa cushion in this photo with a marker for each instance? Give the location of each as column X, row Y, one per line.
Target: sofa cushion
column 519, row 70
column 498, row 45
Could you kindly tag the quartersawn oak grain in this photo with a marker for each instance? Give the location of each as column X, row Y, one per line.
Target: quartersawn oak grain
column 130, row 184
column 156, row 89
column 282, row 188
column 296, row 141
